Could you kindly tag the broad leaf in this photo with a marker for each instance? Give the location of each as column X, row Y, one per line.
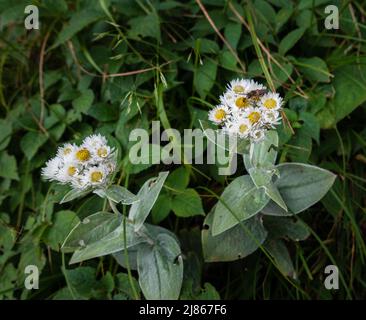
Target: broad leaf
column 98, row 235
column 187, row 203
column 119, row 194
column 160, row 268
column 147, row 195
column 302, row 185
column 234, row 243
column 240, row 201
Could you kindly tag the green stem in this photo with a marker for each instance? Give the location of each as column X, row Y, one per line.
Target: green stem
column 129, row 273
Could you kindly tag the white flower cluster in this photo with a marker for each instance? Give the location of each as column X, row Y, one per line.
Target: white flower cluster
column 247, row 109
column 88, row 165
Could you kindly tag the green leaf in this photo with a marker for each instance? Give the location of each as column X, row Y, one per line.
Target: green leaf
column 264, row 153
column 290, row 40
column 78, row 21
column 74, row 194
column 98, row 235
column 281, row 227
column 350, row 92
column 178, row 179
column 84, row 101
column 146, row 26
column 5, row 133
column 263, row 179
column 8, row 166
column 303, row 185
column 31, row 142
column 160, row 269
column 278, row 250
column 63, row 223
column 240, row 198
column 300, row 146
column 148, row 194
column 233, row 244
column 124, row 286
column 161, row 208
column 187, row 204
column 119, row 194
column 314, row 69
column 205, row 76
column 310, row 126
column 232, row 33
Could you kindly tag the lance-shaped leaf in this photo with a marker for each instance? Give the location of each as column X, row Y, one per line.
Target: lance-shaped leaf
column 148, row 231
column 301, row 186
column 74, row 194
column 240, row 201
column 262, row 154
column 148, row 194
column 118, row 194
column 262, row 178
column 160, row 268
column 235, row 243
column 279, row 252
column 98, row 235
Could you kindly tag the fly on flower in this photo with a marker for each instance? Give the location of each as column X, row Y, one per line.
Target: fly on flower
column 89, row 165
column 247, row 110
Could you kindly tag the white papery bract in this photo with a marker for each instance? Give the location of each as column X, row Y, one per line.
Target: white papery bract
column 89, row 165
column 247, row 110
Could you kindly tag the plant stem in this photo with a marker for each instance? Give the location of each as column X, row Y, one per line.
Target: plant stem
column 130, row 279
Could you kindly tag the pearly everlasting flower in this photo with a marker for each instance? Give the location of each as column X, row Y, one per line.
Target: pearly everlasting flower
column 271, row 101
column 253, row 115
column 66, row 151
column 89, row 165
column 271, row 118
column 247, row 110
column 257, row 135
column 96, row 175
column 68, row 172
column 50, row 171
column 219, row 114
column 242, row 127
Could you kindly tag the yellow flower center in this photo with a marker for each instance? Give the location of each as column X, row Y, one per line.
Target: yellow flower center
column 254, row 117
column 83, row 155
column 71, row 170
column 67, row 151
column 243, row 128
column 238, row 89
column 96, row 176
column 220, row 114
column 102, row 152
column 270, row 103
column 242, row 102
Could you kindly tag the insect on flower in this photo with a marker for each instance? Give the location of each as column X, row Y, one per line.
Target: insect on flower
column 247, row 109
